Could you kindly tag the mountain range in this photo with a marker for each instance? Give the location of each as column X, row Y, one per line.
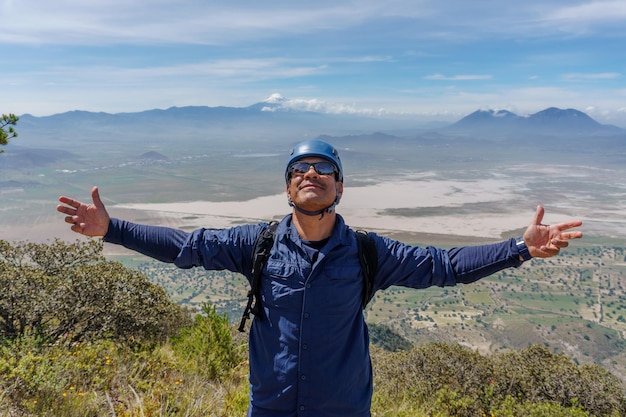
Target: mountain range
column 553, row 121
column 270, row 114
column 269, row 126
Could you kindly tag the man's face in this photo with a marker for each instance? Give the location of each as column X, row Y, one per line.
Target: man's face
column 312, row 191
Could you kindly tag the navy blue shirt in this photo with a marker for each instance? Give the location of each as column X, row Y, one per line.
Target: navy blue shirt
column 309, row 352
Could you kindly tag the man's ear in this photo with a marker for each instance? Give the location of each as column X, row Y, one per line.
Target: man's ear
column 339, row 189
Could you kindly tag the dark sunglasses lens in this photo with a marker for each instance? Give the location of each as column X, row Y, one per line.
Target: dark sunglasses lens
column 299, row 167
column 322, row 168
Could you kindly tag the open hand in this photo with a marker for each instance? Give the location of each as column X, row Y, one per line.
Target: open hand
column 86, row 219
column 544, row 241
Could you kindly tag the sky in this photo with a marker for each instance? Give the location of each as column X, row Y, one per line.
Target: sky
column 423, row 59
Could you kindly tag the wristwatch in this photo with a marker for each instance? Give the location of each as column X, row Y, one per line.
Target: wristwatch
column 522, row 249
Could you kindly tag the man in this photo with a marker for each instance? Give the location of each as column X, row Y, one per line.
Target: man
column 309, row 349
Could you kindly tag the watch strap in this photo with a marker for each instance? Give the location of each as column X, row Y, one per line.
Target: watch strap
column 522, row 249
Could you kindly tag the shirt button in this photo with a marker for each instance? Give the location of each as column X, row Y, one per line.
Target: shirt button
column 308, row 285
column 301, row 408
column 305, row 346
column 306, row 315
column 303, row 377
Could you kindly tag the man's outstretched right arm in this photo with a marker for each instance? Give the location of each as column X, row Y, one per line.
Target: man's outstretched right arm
column 158, row 242
column 161, row 243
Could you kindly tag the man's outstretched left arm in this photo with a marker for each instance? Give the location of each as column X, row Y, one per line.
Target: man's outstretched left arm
column 471, row 263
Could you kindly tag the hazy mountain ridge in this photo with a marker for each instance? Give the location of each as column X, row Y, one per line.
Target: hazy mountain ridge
column 25, row 158
column 268, row 127
column 549, row 121
column 552, row 121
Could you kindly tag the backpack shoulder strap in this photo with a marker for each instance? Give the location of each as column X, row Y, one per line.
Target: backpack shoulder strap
column 368, row 257
column 260, row 254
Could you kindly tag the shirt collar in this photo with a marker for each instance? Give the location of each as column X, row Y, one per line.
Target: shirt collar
column 288, row 229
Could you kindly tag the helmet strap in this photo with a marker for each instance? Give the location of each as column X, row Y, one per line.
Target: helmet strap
column 316, row 212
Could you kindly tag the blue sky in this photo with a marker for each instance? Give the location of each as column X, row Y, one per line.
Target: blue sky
column 428, row 59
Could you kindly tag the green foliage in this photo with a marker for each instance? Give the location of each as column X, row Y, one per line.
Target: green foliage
column 385, row 338
column 83, row 336
column 512, row 408
column 105, row 378
column 208, row 345
column 447, row 373
column 537, row 375
column 67, row 292
column 450, row 380
column 9, row 120
column 38, row 377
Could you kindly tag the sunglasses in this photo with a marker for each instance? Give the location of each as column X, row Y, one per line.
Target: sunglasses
column 322, row 168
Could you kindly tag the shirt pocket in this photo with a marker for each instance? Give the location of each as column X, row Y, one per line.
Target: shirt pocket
column 281, row 286
column 342, row 288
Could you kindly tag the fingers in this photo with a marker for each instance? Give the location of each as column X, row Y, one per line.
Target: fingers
column 75, row 204
column 559, row 227
column 95, row 196
column 559, row 242
column 89, row 219
column 576, row 234
column 69, row 201
column 65, row 210
column 565, row 236
column 561, row 239
column 569, row 225
column 78, row 228
column 547, row 240
column 538, row 215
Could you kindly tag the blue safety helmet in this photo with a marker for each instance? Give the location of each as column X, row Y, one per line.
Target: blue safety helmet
column 316, row 148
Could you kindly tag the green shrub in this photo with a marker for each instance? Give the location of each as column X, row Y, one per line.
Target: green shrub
column 68, row 292
column 38, row 378
column 450, row 374
column 104, row 378
column 449, row 380
column 208, row 345
column 512, row 408
column 536, row 375
column 386, row 338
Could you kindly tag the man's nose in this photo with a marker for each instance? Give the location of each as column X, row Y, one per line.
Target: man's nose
column 311, row 172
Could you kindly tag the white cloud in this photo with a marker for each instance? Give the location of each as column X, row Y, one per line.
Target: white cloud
column 239, row 70
column 159, row 21
column 602, row 18
column 98, row 22
column 441, row 77
column 365, row 59
column 591, row 11
column 595, row 76
column 317, row 105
